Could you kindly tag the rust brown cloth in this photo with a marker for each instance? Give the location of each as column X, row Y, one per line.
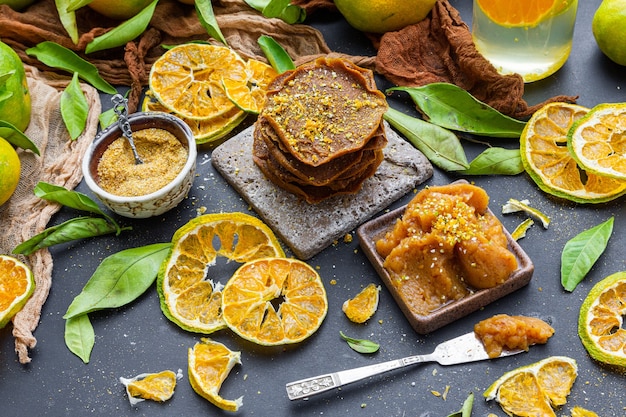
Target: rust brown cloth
column 440, row 49
column 59, row 163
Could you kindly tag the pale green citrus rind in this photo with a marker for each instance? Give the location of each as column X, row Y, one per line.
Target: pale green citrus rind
column 611, row 290
column 601, row 131
column 231, row 250
column 556, row 162
column 18, row 303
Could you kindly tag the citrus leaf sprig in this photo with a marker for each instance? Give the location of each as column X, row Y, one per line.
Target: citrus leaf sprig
column 360, row 345
column 282, row 9
column 73, row 229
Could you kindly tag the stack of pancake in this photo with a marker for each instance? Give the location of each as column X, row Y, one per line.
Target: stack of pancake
column 321, row 131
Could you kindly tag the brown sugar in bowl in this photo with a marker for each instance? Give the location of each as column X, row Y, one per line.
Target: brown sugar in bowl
column 371, row 231
column 156, row 202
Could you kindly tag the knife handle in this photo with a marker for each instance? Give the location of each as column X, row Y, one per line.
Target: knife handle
column 308, row 387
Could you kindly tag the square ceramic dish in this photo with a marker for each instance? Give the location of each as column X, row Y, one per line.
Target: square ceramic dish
column 370, row 232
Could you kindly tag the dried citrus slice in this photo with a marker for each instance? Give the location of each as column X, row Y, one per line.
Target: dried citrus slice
column 248, row 296
column 187, row 79
column 204, row 130
column 598, row 141
column 533, row 390
column 544, row 153
column 363, row 306
column 188, row 297
column 151, row 386
column 511, row 14
column 16, row 286
column 210, row 363
column 601, row 320
column 250, row 96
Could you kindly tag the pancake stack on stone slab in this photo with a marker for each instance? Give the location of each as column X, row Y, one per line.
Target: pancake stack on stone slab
column 321, row 131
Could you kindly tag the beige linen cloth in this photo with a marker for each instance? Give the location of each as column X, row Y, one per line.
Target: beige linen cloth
column 25, row 215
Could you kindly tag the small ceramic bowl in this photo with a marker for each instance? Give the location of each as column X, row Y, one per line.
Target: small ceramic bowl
column 155, row 203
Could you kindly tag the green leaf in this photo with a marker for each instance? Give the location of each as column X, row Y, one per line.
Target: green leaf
column 439, row 145
column 496, row 161
column 581, row 253
column 204, row 10
column 125, row 32
column 70, row 230
column 68, row 19
column 74, row 5
column 466, row 410
column 452, row 107
column 74, row 108
column 57, row 56
column 68, row 198
column 18, row 138
column 360, row 345
column 79, row 336
column 120, row 279
column 278, row 58
column 281, row 9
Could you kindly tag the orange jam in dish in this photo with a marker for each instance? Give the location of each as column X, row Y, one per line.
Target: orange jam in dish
column 446, row 245
column 511, row 332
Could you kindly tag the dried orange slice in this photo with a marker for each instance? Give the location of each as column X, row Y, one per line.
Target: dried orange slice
column 250, row 96
column 204, row 130
column 544, row 153
column 248, row 296
column 520, row 13
column 151, row 386
column 533, row 390
column 363, row 306
column 598, row 141
column 601, row 320
column 582, row 412
column 210, row 363
column 16, row 286
column 188, row 296
column 187, row 79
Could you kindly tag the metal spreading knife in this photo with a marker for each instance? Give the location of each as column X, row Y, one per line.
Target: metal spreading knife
column 462, row 349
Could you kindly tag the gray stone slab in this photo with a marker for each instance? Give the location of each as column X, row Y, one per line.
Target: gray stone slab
column 308, row 229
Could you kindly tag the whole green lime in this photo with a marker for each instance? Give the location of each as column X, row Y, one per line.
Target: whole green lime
column 15, row 101
column 380, row 16
column 609, row 29
column 17, row 4
column 119, row 9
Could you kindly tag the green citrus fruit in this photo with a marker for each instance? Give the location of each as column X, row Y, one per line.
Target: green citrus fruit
column 14, row 95
column 608, row 26
column 10, row 168
column 601, row 320
column 17, row 4
column 16, row 286
column 380, row 16
column 119, row 9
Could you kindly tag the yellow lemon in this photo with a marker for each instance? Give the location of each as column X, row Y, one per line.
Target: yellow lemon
column 10, row 168
column 380, row 16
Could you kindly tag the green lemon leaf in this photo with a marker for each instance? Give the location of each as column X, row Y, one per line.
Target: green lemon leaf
column 68, row 198
column 18, row 138
column 80, row 336
column 278, row 58
column 281, row 9
column 452, row 107
column 582, row 251
column 119, row 279
column 68, row 19
column 74, row 108
column 496, row 161
column 360, row 345
column 57, row 56
column 439, row 145
column 125, row 32
column 204, row 10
